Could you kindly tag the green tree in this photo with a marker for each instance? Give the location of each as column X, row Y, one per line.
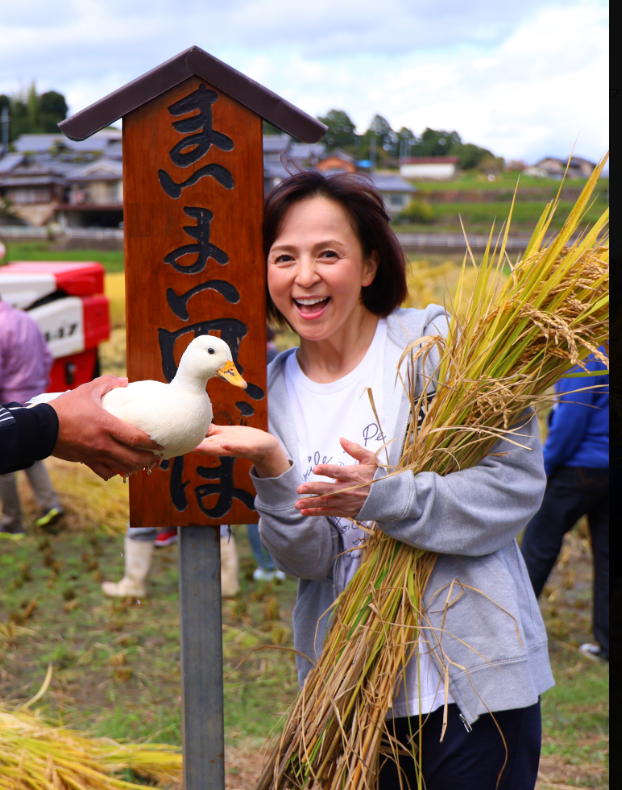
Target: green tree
column 436, row 142
column 340, row 132
column 406, row 139
column 52, row 110
column 33, row 113
column 470, row 155
column 379, row 142
column 269, row 128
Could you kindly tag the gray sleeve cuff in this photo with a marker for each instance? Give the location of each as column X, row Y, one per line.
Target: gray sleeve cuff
column 277, row 493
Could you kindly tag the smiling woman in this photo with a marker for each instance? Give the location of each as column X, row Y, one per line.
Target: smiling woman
column 336, row 275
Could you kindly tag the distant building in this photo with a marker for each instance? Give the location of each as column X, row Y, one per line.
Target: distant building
column 441, row 168
column 337, row 162
column 555, row 168
column 396, row 193
column 283, row 156
column 57, row 143
column 95, row 196
column 273, row 174
column 33, row 189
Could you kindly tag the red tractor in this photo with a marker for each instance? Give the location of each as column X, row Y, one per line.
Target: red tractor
column 67, row 301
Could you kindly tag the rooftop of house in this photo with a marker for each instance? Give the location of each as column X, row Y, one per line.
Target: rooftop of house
column 9, row 162
column 275, row 143
column 575, row 161
column 339, row 154
column 391, row 183
column 42, row 143
column 275, row 170
column 100, row 170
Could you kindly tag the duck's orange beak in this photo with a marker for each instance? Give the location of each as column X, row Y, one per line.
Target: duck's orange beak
column 230, row 373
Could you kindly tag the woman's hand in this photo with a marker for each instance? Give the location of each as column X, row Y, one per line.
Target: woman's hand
column 243, row 442
column 348, row 503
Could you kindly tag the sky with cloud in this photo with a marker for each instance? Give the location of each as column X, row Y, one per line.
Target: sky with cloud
column 523, row 79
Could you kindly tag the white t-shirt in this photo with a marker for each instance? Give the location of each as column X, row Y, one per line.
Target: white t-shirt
column 324, row 413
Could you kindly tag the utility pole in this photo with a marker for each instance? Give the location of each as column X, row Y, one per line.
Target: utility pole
column 4, row 120
column 372, row 151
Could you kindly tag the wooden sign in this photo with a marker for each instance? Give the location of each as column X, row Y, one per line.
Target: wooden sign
column 194, row 265
column 193, row 198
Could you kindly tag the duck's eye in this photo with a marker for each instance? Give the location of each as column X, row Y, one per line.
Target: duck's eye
column 210, row 350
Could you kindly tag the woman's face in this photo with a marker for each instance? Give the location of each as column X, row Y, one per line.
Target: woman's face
column 316, row 268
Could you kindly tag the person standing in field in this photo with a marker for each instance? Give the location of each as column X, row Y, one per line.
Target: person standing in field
column 336, row 275
column 576, row 460
column 25, row 363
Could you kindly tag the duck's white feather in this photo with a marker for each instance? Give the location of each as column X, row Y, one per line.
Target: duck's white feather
column 176, row 419
column 177, row 415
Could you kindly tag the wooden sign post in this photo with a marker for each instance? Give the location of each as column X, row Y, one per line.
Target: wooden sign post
column 193, row 203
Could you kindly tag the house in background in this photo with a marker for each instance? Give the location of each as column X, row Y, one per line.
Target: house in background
column 283, row 156
column 94, row 196
column 396, row 193
column 337, row 162
column 53, row 180
column 54, row 144
column 49, row 172
column 555, row 168
column 33, row 189
column 437, row 168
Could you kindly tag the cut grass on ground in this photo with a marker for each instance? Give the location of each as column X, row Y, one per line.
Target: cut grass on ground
column 111, row 260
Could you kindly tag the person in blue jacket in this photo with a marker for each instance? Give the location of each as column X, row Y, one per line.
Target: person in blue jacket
column 576, row 460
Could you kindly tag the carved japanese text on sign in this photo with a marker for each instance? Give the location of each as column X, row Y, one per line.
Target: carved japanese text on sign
column 193, row 192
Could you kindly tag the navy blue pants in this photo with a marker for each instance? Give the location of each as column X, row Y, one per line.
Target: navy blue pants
column 470, row 760
column 572, row 492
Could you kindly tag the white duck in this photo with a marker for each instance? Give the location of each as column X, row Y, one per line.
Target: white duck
column 177, row 415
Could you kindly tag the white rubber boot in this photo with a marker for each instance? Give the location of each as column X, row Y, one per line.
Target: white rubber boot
column 230, row 584
column 138, row 555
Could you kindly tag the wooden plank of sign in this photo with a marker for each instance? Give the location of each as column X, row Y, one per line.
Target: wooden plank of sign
column 166, row 307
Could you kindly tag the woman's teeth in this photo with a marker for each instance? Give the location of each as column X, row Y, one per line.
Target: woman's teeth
column 311, row 300
column 311, row 306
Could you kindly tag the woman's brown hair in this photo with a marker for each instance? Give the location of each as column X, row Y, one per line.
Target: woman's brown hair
column 370, row 222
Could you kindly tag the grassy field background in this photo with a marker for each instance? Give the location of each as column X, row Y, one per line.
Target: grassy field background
column 116, row 663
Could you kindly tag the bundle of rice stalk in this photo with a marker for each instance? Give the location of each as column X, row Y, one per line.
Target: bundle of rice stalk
column 37, row 756
column 512, row 343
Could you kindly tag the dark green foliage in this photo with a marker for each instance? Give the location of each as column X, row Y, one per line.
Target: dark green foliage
column 52, row 110
column 438, row 142
column 340, row 132
column 34, row 113
column 269, row 128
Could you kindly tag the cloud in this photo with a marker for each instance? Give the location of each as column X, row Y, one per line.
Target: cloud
column 520, row 78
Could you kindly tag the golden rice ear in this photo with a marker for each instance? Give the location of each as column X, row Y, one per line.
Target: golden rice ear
column 57, row 757
column 503, row 352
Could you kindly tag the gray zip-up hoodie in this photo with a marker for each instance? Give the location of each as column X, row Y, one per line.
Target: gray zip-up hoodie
column 493, row 631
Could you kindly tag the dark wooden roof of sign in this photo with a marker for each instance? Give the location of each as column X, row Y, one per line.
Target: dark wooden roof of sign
column 193, row 61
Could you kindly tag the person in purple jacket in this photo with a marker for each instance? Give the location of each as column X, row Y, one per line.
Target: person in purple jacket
column 576, row 461
column 25, row 362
